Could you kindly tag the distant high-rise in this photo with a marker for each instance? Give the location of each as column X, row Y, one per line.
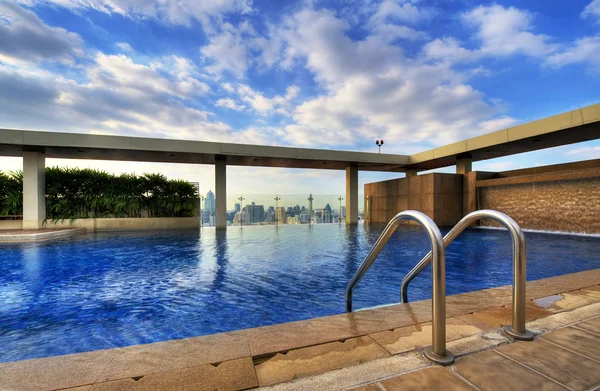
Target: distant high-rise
column 209, row 203
column 280, row 215
column 238, row 207
column 256, row 213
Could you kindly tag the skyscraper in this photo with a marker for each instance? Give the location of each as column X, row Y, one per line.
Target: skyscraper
column 280, row 215
column 256, row 213
column 310, row 209
column 238, row 207
column 209, row 203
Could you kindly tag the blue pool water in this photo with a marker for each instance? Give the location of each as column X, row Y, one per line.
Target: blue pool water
column 116, row 289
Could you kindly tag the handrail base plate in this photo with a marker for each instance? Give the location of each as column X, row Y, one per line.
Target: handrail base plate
column 526, row 336
column 445, row 360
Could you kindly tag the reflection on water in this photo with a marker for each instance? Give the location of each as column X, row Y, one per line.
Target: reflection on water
column 115, row 289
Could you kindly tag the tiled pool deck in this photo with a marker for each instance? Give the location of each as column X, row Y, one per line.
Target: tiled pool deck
column 366, row 349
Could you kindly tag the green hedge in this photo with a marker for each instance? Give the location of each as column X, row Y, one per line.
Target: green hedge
column 73, row 193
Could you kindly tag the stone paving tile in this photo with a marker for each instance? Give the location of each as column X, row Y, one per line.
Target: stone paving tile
column 568, row 301
column 476, row 301
column 560, row 284
column 592, row 325
column 55, row 372
column 562, row 319
column 576, row 340
column 565, row 367
column 229, row 375
column 389, row 317
column 408, row 338
column 490, row 371
column 318, row 359
column 496, row 317
column 165, row 356
column 477, row 342
column 433, row 378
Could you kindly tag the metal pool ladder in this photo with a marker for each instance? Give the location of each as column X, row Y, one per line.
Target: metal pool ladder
column 517, row 329
column 437, row 352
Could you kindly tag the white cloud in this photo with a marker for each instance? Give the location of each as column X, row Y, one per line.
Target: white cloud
column 379, row 93
column 227, row 52
column 592, row 11
column 118, row 97
column 500, row 32
column 169, row 11
column 583, row 51
column 506, row 31
column 585, row 152
column 263, row 105
column 124, row 46
column 26, row 38
column 449, row 49
column 228, row 87
column 230, row 104
column 391, row 11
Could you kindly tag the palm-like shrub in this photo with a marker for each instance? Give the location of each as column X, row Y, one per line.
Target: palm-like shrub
column 11, row 193
column 73, row 193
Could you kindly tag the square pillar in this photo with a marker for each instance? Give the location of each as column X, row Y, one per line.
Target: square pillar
column 464, row 166
column 220, row 192
column 411, row 172
column 34, row 190
column 351, row 195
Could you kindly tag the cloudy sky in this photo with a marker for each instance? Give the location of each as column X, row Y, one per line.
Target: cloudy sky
column 324, row 74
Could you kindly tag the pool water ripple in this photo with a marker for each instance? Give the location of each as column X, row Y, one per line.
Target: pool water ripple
column 117, row 289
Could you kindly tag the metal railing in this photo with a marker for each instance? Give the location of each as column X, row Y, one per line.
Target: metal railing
column 437, row 352
column 517, row 330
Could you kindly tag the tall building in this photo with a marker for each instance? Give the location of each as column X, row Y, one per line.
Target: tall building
column 310, row 207
column 238, row 207
column 327, row 215
column 280, row 215
column 256, row 213
column 241, row 218
column 209, row 203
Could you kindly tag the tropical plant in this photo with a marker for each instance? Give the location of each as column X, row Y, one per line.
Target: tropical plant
column 73, row 193
column 11, row 193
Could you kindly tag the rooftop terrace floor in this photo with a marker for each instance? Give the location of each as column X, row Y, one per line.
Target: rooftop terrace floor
column 377, row 349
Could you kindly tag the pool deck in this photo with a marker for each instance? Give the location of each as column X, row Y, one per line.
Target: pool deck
column 36, row 235
column 377, row 349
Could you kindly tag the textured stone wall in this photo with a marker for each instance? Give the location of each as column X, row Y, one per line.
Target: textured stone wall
column 439, row 196
column 569, row 205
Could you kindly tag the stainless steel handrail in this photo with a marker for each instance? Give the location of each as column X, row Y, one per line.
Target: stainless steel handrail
column 517, row 330
column 437, row 352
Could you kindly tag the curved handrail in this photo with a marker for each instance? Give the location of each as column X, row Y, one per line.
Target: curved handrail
column 517, row 330
column 437, row 352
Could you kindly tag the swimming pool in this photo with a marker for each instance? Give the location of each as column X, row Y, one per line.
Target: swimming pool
column 106, row 290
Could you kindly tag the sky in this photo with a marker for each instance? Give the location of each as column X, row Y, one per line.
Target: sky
column 320, row 74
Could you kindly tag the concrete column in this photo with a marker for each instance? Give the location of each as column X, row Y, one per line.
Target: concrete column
column 34, row 190
column 464, row 166
column 351, row 195
column 411, row 172
column 220, row 192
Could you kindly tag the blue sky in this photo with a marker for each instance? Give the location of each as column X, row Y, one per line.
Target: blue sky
column 325, row 74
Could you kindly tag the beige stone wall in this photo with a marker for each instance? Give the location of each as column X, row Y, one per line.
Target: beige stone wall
column 11, row 224
column 129, row 223
column 568, row 205
column 439, row 196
